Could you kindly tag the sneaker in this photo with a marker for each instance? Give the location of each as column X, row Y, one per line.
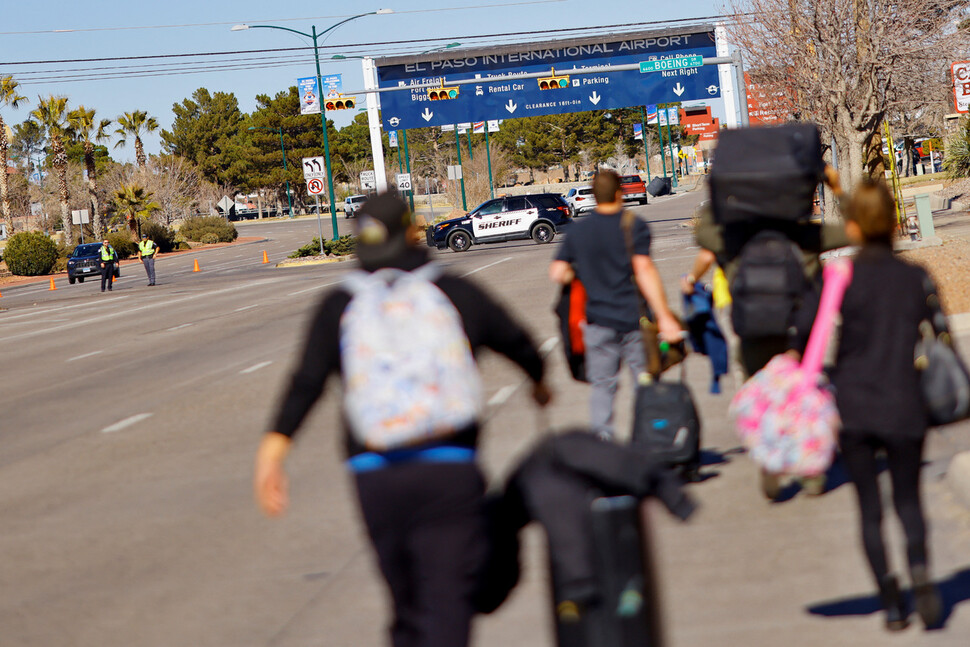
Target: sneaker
column 929, row 604
column 892, row 601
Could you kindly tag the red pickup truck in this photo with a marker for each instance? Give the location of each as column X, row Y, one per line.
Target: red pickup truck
column 634, row 189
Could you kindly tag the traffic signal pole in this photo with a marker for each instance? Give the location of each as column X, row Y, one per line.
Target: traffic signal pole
column 464, row 203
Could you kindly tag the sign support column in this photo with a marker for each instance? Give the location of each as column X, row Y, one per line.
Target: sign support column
column 374, row 123
column 488, row 156
column 646, row 146
column 407, row 162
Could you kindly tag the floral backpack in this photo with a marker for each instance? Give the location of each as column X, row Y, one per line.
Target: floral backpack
column 408, row 369
column 785, row 417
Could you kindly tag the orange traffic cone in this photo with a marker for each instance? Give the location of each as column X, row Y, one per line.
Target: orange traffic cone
column 195, row 267
column 52, row 287
column 265, row 257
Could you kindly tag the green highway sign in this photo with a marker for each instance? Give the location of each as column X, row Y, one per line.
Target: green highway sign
column 676, row 63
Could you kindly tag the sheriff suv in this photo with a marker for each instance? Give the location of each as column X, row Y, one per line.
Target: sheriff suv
column 85, row 261
column 516, row 217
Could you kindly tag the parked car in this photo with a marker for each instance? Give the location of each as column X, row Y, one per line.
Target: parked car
column 517, row 217
column 352, row 205
column 634, row 189
column 85, row 261
column 580, row 199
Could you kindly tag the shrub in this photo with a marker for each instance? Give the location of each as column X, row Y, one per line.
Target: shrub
column 340, row 247
column 123, row 244
column 198, row 226
column 209, row 238
column 310, row 249
column 163, row 236
column 30, row 253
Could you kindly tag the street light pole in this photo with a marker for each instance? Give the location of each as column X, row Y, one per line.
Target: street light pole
column 289, row 198
column 314, row 35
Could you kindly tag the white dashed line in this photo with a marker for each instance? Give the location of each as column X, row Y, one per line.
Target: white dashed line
column 502, row 395
column 254, row 305
column 507, row 258
column 127, row 422
column 255, row 367
column 97, row 352
column 185, row 325
column 315, row 287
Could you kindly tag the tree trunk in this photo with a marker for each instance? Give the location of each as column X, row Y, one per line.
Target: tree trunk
column 259, row 203
column 93, row 188
column 4, row 188
column 875, row 162
column 60, row 164
column 140, row 153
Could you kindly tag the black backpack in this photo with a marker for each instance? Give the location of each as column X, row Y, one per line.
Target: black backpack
column 768, row 286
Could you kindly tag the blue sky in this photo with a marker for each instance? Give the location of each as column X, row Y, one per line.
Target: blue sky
column 66, row 31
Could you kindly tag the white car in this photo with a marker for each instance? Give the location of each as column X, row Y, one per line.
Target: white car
column 352, row 205
column 580, row 199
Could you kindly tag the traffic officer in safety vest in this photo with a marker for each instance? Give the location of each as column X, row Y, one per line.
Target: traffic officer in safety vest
column 108, row 259
column 146, row 252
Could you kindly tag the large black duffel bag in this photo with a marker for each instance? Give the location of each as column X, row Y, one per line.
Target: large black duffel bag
column 766, row 172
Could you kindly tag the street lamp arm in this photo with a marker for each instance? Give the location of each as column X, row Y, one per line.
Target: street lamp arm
column 346, row 20
column 300, row 33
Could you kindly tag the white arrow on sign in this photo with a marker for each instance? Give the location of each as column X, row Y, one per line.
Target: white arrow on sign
column 679, row 89
column 511, row 106
column 427, row 114
column 594, row 98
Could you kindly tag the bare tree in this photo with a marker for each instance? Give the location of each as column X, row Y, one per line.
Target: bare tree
column 848, row 64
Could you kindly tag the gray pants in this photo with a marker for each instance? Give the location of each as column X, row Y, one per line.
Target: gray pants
column 605, row 348
column 149, row 262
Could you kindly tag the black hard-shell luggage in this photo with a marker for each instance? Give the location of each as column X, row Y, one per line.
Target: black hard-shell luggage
column 659, row 186
column 666, row 424
column 626, row 613
column 766, row 172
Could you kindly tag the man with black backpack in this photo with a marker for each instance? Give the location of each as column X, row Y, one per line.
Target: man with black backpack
column 402, row 333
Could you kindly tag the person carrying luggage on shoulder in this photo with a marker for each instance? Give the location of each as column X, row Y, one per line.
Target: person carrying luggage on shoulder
column 596, row 252
column 877, row 390
column 401, row 334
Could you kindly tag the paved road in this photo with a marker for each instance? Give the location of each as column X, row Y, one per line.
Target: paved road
column 128, row 422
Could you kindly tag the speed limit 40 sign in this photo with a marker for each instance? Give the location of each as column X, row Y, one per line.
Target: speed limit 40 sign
column 403, row 181
column 314, row 186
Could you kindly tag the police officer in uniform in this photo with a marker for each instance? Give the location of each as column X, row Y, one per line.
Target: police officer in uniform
column 108, row 259
column 146, row 253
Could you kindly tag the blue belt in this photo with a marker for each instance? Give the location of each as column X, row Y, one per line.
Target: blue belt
column 370, row 461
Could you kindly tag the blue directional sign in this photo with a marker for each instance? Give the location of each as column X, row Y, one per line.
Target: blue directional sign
column 556, row 92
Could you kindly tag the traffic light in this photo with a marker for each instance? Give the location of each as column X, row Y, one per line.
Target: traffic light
column 340, row 102
column 441, row 93
column 553, row 82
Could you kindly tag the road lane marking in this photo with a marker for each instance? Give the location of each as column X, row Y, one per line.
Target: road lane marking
column 502, row 395
column 315, row 287
column 548, row 346
column 254, row 305
column 127, row 422
column 255, row 367
column 97, row 352
column 185, row 325
column 507, row 258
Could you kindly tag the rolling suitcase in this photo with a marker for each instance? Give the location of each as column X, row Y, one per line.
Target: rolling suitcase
column 665, row 423
column 766, row 172
column 625, row 611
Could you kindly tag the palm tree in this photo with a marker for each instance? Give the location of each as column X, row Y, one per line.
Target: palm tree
column 134, row 202
column 8, row 97
column 133, row 124
column 51, row 115
column 85, row 127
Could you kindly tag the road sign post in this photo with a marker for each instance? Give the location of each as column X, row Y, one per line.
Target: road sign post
column 407, row 161
column 461, row 178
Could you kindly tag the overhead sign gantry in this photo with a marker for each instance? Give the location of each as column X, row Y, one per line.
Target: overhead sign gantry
column 556, row 77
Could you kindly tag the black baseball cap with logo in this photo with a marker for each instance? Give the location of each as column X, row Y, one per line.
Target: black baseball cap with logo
column 382, row 231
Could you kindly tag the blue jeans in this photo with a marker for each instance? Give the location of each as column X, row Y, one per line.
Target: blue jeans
column 605, row 349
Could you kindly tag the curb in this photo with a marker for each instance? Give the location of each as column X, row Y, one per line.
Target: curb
column 958, row 476
column 299, row 262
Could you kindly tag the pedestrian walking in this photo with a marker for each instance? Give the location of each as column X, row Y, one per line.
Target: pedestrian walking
column 109, row 257
column 877, row 390
column 596, row 253
column 402, row 333
column 146, row 254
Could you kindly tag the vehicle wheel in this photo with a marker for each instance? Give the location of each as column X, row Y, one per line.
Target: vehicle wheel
column 644, row 201
column 543, row 233
column 80, row 279
column 71, row 280
column 459, row 241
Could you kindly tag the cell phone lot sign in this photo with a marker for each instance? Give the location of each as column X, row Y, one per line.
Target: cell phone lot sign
column 961, row 86
column 562, row 92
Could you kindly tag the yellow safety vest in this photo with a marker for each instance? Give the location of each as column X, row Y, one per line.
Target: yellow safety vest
column 107, row 253
column 146, row 247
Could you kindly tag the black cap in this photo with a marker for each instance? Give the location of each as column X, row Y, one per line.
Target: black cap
column 382, row 230
column 144, row 235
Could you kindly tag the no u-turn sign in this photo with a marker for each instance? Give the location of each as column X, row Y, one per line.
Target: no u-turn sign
column 961, row 86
